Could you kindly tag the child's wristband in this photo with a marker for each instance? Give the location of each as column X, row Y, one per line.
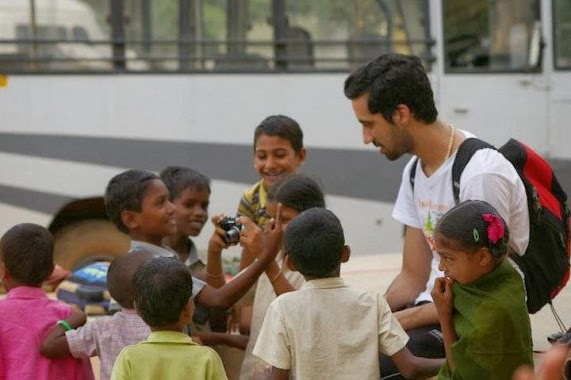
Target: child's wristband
column 66, row 326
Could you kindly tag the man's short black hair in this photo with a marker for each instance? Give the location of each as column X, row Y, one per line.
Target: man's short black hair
column 120, row 275
column 281, row 126
column 27, row 251
column 179, row 178
column 314, row 241
column 390, row 80
column 162, row 288
column 125, row 192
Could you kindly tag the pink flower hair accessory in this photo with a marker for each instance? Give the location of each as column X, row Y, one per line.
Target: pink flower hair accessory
column 495, row 229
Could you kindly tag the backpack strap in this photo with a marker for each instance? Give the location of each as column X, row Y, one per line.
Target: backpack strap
column 465, row 152
column 413, row 173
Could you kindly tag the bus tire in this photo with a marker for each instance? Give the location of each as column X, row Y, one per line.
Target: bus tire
column 88, row 240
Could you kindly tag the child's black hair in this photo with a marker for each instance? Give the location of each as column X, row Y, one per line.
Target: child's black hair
column 27, row 251
column 464, row 227
column 297, row 191
column 162, row 288
column 314, row 241
column 281, row 126
column 120, row 275
column 125, row 192
column 179, row 178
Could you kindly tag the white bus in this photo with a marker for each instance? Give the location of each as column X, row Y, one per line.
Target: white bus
column 185, row 82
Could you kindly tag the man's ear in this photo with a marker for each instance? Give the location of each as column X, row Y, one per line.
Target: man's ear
column 402, row 115
column 289, row 263
column 345, row 254
column 130, row 219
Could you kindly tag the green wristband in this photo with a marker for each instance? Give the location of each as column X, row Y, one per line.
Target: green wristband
column 66, row 326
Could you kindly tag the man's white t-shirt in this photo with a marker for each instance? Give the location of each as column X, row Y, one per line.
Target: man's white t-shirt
column 488, row 176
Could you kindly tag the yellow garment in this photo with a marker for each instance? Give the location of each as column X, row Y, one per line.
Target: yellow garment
column 253, row 204
column 168, row 355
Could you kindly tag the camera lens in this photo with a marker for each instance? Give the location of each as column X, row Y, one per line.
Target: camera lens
column 232, row 235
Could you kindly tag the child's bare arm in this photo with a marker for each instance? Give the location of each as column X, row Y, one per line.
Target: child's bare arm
column 414, row 367
column 279, row 282
column 252, row 240
column 279, row 374
column 443, row 300
column 55, row 345
column 228, row 294
column 214, row 270
column 216, row 338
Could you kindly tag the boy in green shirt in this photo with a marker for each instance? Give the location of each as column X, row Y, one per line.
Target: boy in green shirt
column 162, row 290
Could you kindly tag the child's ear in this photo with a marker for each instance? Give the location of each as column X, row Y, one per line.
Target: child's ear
column 188, row 310
column 289, row 263
column 345, row 254
column 302, row 155
column 130, row 219
column 485, row 257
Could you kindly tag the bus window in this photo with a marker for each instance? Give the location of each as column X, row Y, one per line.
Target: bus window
column 485, row 35
column 562, row 34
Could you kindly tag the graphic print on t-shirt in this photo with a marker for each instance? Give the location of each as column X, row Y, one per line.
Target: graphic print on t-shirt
column 430, row 213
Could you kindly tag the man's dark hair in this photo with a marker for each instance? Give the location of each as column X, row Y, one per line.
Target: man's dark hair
column 162, row 288
column 297, row 191
column 281, row 126
column 314, row 241
column 125, row 192
column 390, row 80
column 27, row 251
column 120, row 275
column 179, row 178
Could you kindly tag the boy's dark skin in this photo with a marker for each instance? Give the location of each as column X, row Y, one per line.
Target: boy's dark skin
column 231, row 292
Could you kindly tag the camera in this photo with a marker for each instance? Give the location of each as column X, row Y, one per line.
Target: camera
column 232, row 228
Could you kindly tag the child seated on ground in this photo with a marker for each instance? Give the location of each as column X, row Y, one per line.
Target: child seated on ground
column 162, row 289
column 327, row 330
column 296, row 193
column 481, row 301
column 26, row 315
column 105, row 336
column 137, row 202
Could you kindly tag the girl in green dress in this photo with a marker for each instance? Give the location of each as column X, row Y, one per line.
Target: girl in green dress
column 481, row 299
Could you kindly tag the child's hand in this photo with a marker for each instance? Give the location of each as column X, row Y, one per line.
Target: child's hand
column 217, row 243
column 251, row 237
column 442, row 295
column 273, row 234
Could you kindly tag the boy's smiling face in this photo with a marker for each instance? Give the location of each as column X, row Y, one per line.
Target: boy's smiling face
column 191, row 210
column 274, row 158
column 156, row 218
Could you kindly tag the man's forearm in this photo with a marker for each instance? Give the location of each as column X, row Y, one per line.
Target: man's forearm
column 417, row 316
column 401, row 292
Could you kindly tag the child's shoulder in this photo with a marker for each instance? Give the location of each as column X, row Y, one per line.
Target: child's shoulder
column 253, row 191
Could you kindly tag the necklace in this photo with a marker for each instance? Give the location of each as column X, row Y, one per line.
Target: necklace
column 450, row 143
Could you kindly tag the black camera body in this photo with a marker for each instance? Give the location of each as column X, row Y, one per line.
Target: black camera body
column 232, row 228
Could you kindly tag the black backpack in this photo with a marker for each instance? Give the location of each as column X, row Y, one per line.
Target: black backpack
column 545, row 263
